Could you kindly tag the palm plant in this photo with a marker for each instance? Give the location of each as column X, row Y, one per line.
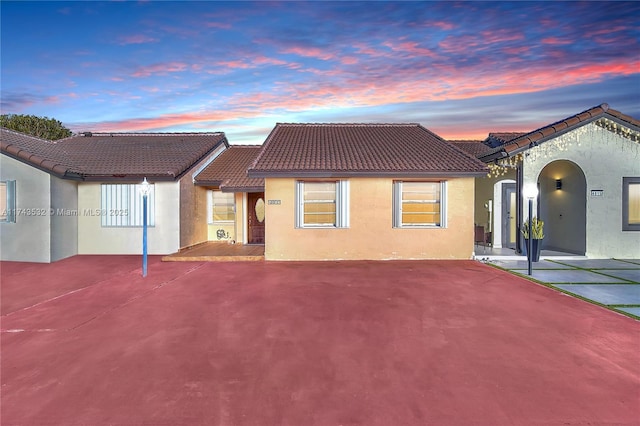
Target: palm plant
column 537, row 229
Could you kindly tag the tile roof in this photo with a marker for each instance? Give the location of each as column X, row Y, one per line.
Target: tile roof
column 553, row 130
column 474, row 148
column 500, row 138
column 341, row 150
column 113, row 156
column 229, row 170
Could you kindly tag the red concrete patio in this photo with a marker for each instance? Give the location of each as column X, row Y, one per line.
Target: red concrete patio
column 88, row 341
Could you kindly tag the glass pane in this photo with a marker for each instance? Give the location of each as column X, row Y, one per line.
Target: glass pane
column 421, row 203
column 512, row 217
column 317, row 191
column 223, row 206
column 634, row 203
column 319, row 203
column 320, row 213
column 3, row 201
column 259, row 209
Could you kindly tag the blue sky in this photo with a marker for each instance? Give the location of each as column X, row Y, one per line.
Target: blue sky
column 462, row 69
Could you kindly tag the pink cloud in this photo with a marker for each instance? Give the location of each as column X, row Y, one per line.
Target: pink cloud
column 136, row 39
column 161, row 68
column 555, row 41
column 309, row 52
column 445, row 26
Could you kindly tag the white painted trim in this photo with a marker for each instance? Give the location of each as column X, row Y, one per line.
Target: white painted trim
column 496, row 232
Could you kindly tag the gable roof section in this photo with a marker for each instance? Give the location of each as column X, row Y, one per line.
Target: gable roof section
column 500, row 138
column 474, row 148
column 536, row 137
column 113, row 156
column 342, row 150
column 229, row 170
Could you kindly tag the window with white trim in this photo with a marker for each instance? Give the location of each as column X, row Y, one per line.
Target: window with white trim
column 419, row 204
column 322, row 204
column 122, row 205
column 8, row 201
column 631, row 203
column 222, row 207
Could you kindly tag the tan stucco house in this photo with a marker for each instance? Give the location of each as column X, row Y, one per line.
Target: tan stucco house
column 587, row 169
column 229, row 194
column 365, row 191
column 81, row 195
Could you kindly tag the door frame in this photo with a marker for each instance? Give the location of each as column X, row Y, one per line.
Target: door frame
column 507, row 214
column 248, row 214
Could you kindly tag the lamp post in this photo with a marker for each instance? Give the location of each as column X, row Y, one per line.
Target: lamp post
column 530, row 191
column 144, row 189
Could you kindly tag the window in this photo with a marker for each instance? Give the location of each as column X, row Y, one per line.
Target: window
column 8, row 201
column 122, row 205
column 631, row 203
column 322, row 204
column 419, row 204
column 222, row 208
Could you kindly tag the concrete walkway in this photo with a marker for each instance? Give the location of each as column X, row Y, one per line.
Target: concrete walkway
column 614, row 283
column 88, row 341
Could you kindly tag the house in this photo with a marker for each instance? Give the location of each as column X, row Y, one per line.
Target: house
column 587, row 169
column 365, row 191
column 229, row 193
column 81, row 195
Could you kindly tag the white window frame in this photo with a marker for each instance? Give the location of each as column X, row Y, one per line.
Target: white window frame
column 121, row 205
column 626, row 226
column 8, row 215
column 210, row 205
column 397, row 206
column 342, row 204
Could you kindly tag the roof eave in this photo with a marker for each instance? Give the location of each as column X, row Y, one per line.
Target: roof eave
column 225, row 188
column 372, row 173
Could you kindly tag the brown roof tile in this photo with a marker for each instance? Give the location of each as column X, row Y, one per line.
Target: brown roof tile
column 474, row 148
column 500, row 138
column 322, row 150
column 229, row 170
column 107, row 156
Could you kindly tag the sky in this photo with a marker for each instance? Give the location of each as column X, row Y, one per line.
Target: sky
column 461, row 69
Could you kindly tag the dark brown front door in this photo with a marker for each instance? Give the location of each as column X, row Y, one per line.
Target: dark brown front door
column 256, row 208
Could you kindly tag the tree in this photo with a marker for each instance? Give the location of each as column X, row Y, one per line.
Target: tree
column 42, row 127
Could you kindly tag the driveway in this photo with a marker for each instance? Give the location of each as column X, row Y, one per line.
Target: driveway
column 88, row 341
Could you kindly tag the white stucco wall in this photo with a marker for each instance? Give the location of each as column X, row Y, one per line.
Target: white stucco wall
column 64, row 220
column 28, row 239
column 605, row 158
column 163, row 238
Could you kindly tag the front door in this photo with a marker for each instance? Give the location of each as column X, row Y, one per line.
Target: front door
column 509, row 215
column 255, row 215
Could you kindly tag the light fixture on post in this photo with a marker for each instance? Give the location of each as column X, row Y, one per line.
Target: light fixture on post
column 530, row 191
column 145, row 188
column 558, row 184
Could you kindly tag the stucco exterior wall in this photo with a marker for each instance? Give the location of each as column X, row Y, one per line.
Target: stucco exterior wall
column 605, row 158
column 484, row 192
column 64, row 218
column 163, row 238
column 371, row 235
column 193, row 205
column 28, row 239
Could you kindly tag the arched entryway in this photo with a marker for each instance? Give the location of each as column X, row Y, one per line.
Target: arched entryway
column 563, row 207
